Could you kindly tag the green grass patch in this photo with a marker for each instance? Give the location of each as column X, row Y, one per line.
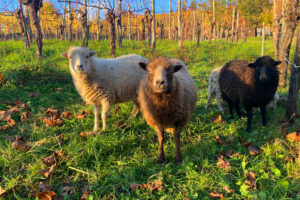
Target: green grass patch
column 109, row 163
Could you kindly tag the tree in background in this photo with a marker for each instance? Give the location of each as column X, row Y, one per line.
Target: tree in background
column 35, row 6
column 253, row 11
column 153, row 24
column 85, row 26
column 292, row 104
column 119, row 23
column 110, row 18
column 289, row 23
column 23, row 26
column 277, row 9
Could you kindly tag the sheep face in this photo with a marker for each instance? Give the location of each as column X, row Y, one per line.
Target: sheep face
column 265, row 69
column 79, row 59
column 160, row 75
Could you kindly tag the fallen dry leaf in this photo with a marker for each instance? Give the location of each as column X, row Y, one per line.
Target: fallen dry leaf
column 60, row 139
column 25, row 116
column 67, row 190
column 45, row 187
column 199, row 138
column 245, row 143
column 4, row 127
column 66, row 115
column 50, row 160
column 215, row 194
column 230, row 154
column 228, row 190
column 250, row 179
column 134, row 186
column 219, row 140
column 81, row 115
column 51, row 122
column 120, row 124
column 86, row 134
column 117, row 110
column 53, row 159
column 47, row 195
column 230, row 138
column 294, row 136
column 20, row 105
column 154, row 185
column 58, row 89
column 224, row 164
column 5, row 115
column 34, row 94
column 48, row 171
column 2, row 192
column 5, row 192
column 217, row 119
column 37, row 143
column 53, row 113
column 20, row 144
column 11, row 122
column 253, row 150
column 85, row 195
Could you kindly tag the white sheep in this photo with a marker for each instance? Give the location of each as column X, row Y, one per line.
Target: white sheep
column 214, row 89
column 215, row 92
column 104, row 82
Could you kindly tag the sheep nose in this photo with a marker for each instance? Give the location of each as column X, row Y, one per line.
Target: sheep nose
column 160, row 82
column 80, row 67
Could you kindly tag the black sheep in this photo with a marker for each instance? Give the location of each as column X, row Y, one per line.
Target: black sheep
column 252, row 85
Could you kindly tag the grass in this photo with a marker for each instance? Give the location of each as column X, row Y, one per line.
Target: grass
column 109, row 163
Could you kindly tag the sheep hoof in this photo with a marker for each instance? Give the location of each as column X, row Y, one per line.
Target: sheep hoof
column 159, row 161
column 178, row 160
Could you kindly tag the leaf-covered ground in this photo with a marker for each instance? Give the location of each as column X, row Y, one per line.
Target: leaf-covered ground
column 42, row 153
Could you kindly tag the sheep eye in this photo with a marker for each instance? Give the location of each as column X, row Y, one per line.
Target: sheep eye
column 87, row 57
column 70, row 57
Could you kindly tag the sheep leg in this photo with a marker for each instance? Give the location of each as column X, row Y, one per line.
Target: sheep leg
column 230, row 104
column 263, row 114
column 177, row 143
column 105, row 109
column 238, row 109
column 210, row 97
column 249, row 118
column 96, row 114
column 161, row 155
column 218, row 97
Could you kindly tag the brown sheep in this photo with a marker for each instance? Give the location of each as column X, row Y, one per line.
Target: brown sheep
column 167, row 98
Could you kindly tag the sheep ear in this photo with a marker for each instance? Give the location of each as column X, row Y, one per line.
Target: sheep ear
column 64, row 54
column 143, row 65
column 252, row 65
column 91, row 53
column 176, row 68
column 277, row 63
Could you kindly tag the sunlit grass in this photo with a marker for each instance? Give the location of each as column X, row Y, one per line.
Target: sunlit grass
column 109, row 163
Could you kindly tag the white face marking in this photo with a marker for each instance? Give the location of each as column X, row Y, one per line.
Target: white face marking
column 79, row 60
